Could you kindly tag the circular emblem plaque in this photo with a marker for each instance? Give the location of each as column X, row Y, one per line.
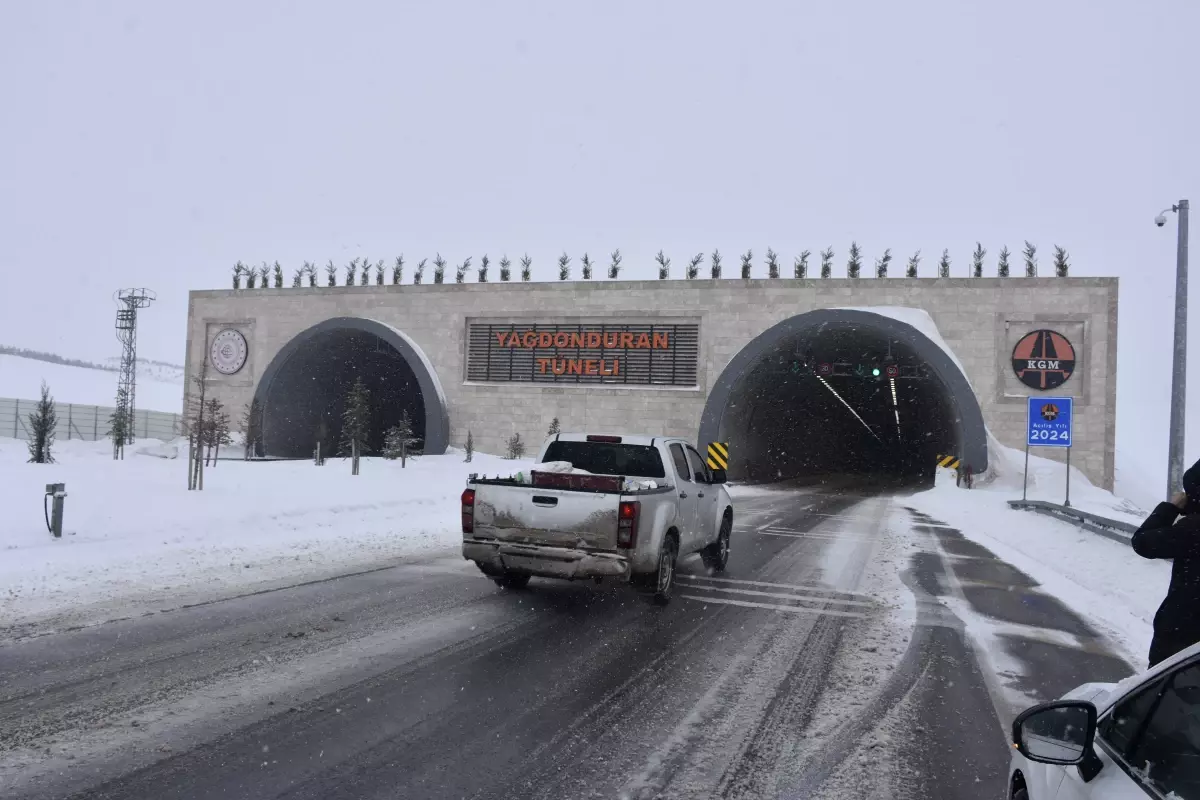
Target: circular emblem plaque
column 1043, row 359
column 228, row 351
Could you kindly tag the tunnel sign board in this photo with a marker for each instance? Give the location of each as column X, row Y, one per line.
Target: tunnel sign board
column 645, row 354
column 1050, row 422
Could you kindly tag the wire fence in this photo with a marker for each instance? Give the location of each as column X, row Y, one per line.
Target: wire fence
column 88, row 423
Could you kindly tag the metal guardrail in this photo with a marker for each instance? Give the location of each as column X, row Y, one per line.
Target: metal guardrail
column 89, row 423
column 1109, row 528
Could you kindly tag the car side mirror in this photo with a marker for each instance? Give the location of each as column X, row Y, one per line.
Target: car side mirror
column 1061, row 732
column 718, row 476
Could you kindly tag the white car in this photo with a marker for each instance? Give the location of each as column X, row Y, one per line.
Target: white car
column 1132, row 740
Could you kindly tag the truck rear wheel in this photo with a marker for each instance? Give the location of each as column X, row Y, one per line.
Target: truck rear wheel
column 512, row 580
column 664, row 578
column 716, row 555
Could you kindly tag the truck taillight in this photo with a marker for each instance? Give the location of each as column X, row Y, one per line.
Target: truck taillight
column 468, row 511
column 627, row 523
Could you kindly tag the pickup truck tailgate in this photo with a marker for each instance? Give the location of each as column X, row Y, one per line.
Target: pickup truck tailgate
column 539, row 515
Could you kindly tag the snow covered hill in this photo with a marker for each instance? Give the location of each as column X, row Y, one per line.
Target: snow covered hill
column 159, row 388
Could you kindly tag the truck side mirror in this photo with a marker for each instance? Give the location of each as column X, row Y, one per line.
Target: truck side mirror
column 718, row 476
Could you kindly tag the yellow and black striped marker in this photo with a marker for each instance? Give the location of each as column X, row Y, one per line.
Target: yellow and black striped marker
column 948, row 461
column 718, row 455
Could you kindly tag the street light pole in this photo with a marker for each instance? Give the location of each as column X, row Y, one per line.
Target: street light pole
column 1179, row 368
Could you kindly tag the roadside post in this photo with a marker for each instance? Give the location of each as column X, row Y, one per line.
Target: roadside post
column 1049, row 423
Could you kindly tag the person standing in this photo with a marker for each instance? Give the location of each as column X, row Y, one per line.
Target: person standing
column 1172, row 531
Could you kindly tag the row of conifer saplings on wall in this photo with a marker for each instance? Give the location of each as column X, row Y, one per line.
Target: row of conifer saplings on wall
column 362, row 272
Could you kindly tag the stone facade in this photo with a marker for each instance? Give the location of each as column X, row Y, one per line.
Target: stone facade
column 979, row 318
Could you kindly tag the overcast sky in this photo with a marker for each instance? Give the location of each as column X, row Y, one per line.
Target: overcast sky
column 155, row 144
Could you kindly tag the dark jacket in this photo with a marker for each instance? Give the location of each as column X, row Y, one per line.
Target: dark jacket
column 1165, row 534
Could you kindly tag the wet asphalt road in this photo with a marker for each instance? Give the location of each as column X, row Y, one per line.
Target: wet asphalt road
column 782, row 678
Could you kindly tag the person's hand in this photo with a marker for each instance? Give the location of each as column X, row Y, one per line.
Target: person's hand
column 1179, row 500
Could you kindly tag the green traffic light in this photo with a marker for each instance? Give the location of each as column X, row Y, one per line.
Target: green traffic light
column 875, row 372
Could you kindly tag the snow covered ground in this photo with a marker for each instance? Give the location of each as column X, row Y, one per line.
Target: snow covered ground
column 135, row 539
column 159, row 388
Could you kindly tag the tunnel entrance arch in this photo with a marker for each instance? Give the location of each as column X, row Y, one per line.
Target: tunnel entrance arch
column 302, row 390
column 770, row 390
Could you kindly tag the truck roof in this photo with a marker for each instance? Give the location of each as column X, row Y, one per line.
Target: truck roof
column 626, row 438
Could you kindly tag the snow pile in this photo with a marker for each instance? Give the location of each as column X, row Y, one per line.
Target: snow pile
column 22, row 378
column 134, row 535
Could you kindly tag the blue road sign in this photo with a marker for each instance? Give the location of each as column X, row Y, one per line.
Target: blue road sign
column 1050, row 420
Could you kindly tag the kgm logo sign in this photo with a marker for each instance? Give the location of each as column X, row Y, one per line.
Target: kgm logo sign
column 1043, row 359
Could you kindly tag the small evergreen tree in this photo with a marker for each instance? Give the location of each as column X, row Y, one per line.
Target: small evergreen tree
column 398, row 271
column 400, row 438
column 1002, row 268
column 439, row 269
column 586, row 261
column 251, row 425
column 264, row 274
column 827, row 263
column 118, row 424
column 977, row 260
column 216, row 430
column 914, row 262
column 664, row 266
column 312, row 273
column 944, row 265
column 1062, row 265
column 298, row 276
column 614, row 266
column 278, row 269
column 800, row 265
column 470, row 448
column 526, row 268
column 772, row 264
column 460, row 272
column 714, row 261
column 693, row 268
column 854, row 264
column 747, row 258
column 564, row 267
column 380, row 269
column 516, row 448
column 881, row 265
column 365, row 275
column 356, row 423
column 505, row 269
column 1030, row 254
column 251, row 277
column 419, row 272
column 42, row 423
column 238, row 270
column 483, row 269
column 352, row 273
column 554, row 429
column 331, row 273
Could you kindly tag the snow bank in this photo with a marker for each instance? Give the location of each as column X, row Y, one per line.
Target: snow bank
column 134, row 535
column 22, row 378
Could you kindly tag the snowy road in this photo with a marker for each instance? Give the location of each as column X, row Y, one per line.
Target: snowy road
column 831, row 661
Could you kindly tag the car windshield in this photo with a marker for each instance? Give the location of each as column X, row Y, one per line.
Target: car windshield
column 609, row 458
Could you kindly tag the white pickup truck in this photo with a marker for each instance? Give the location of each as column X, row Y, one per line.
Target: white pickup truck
column 628, row 510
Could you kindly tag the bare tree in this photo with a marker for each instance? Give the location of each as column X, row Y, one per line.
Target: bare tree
column 251, row 424
column 194, row 425
column 118, row 422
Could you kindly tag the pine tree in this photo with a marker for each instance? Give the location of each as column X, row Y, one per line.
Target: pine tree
column 356, row 423
column 330, row 274
column 693, row 268
column 881, row 265
column 1002, row 268
column 526, row 268
column 352, row 273
column 505, row 269
column 714, row 269
column 747, row 258
column 516, row 448
column 264, row 274
column 1061, row 264
column 380, row 269
column 460, row 272
column 554, row 429
column 772, row 264
column 854, row 264
column 483, row 269
column 1030, row 254
column 251, row 424
column 400, row 438
column 312, row 273
column 586, row 261
column 419, row 272
column 800, row 266
column 977, row 260
column 614, row 266
column 251, row 277
column 298, row 276
column 42, row 423
column 470, row 448
column 366, row 273
column 278, row 269
column 439, row 269
column 118, row 422
column 664, row 265
column 827, row 263
column 564, row 267
column 914, row 262
column 944, row 265
column 216, row 430
column 238, row 270
column 398, row 271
